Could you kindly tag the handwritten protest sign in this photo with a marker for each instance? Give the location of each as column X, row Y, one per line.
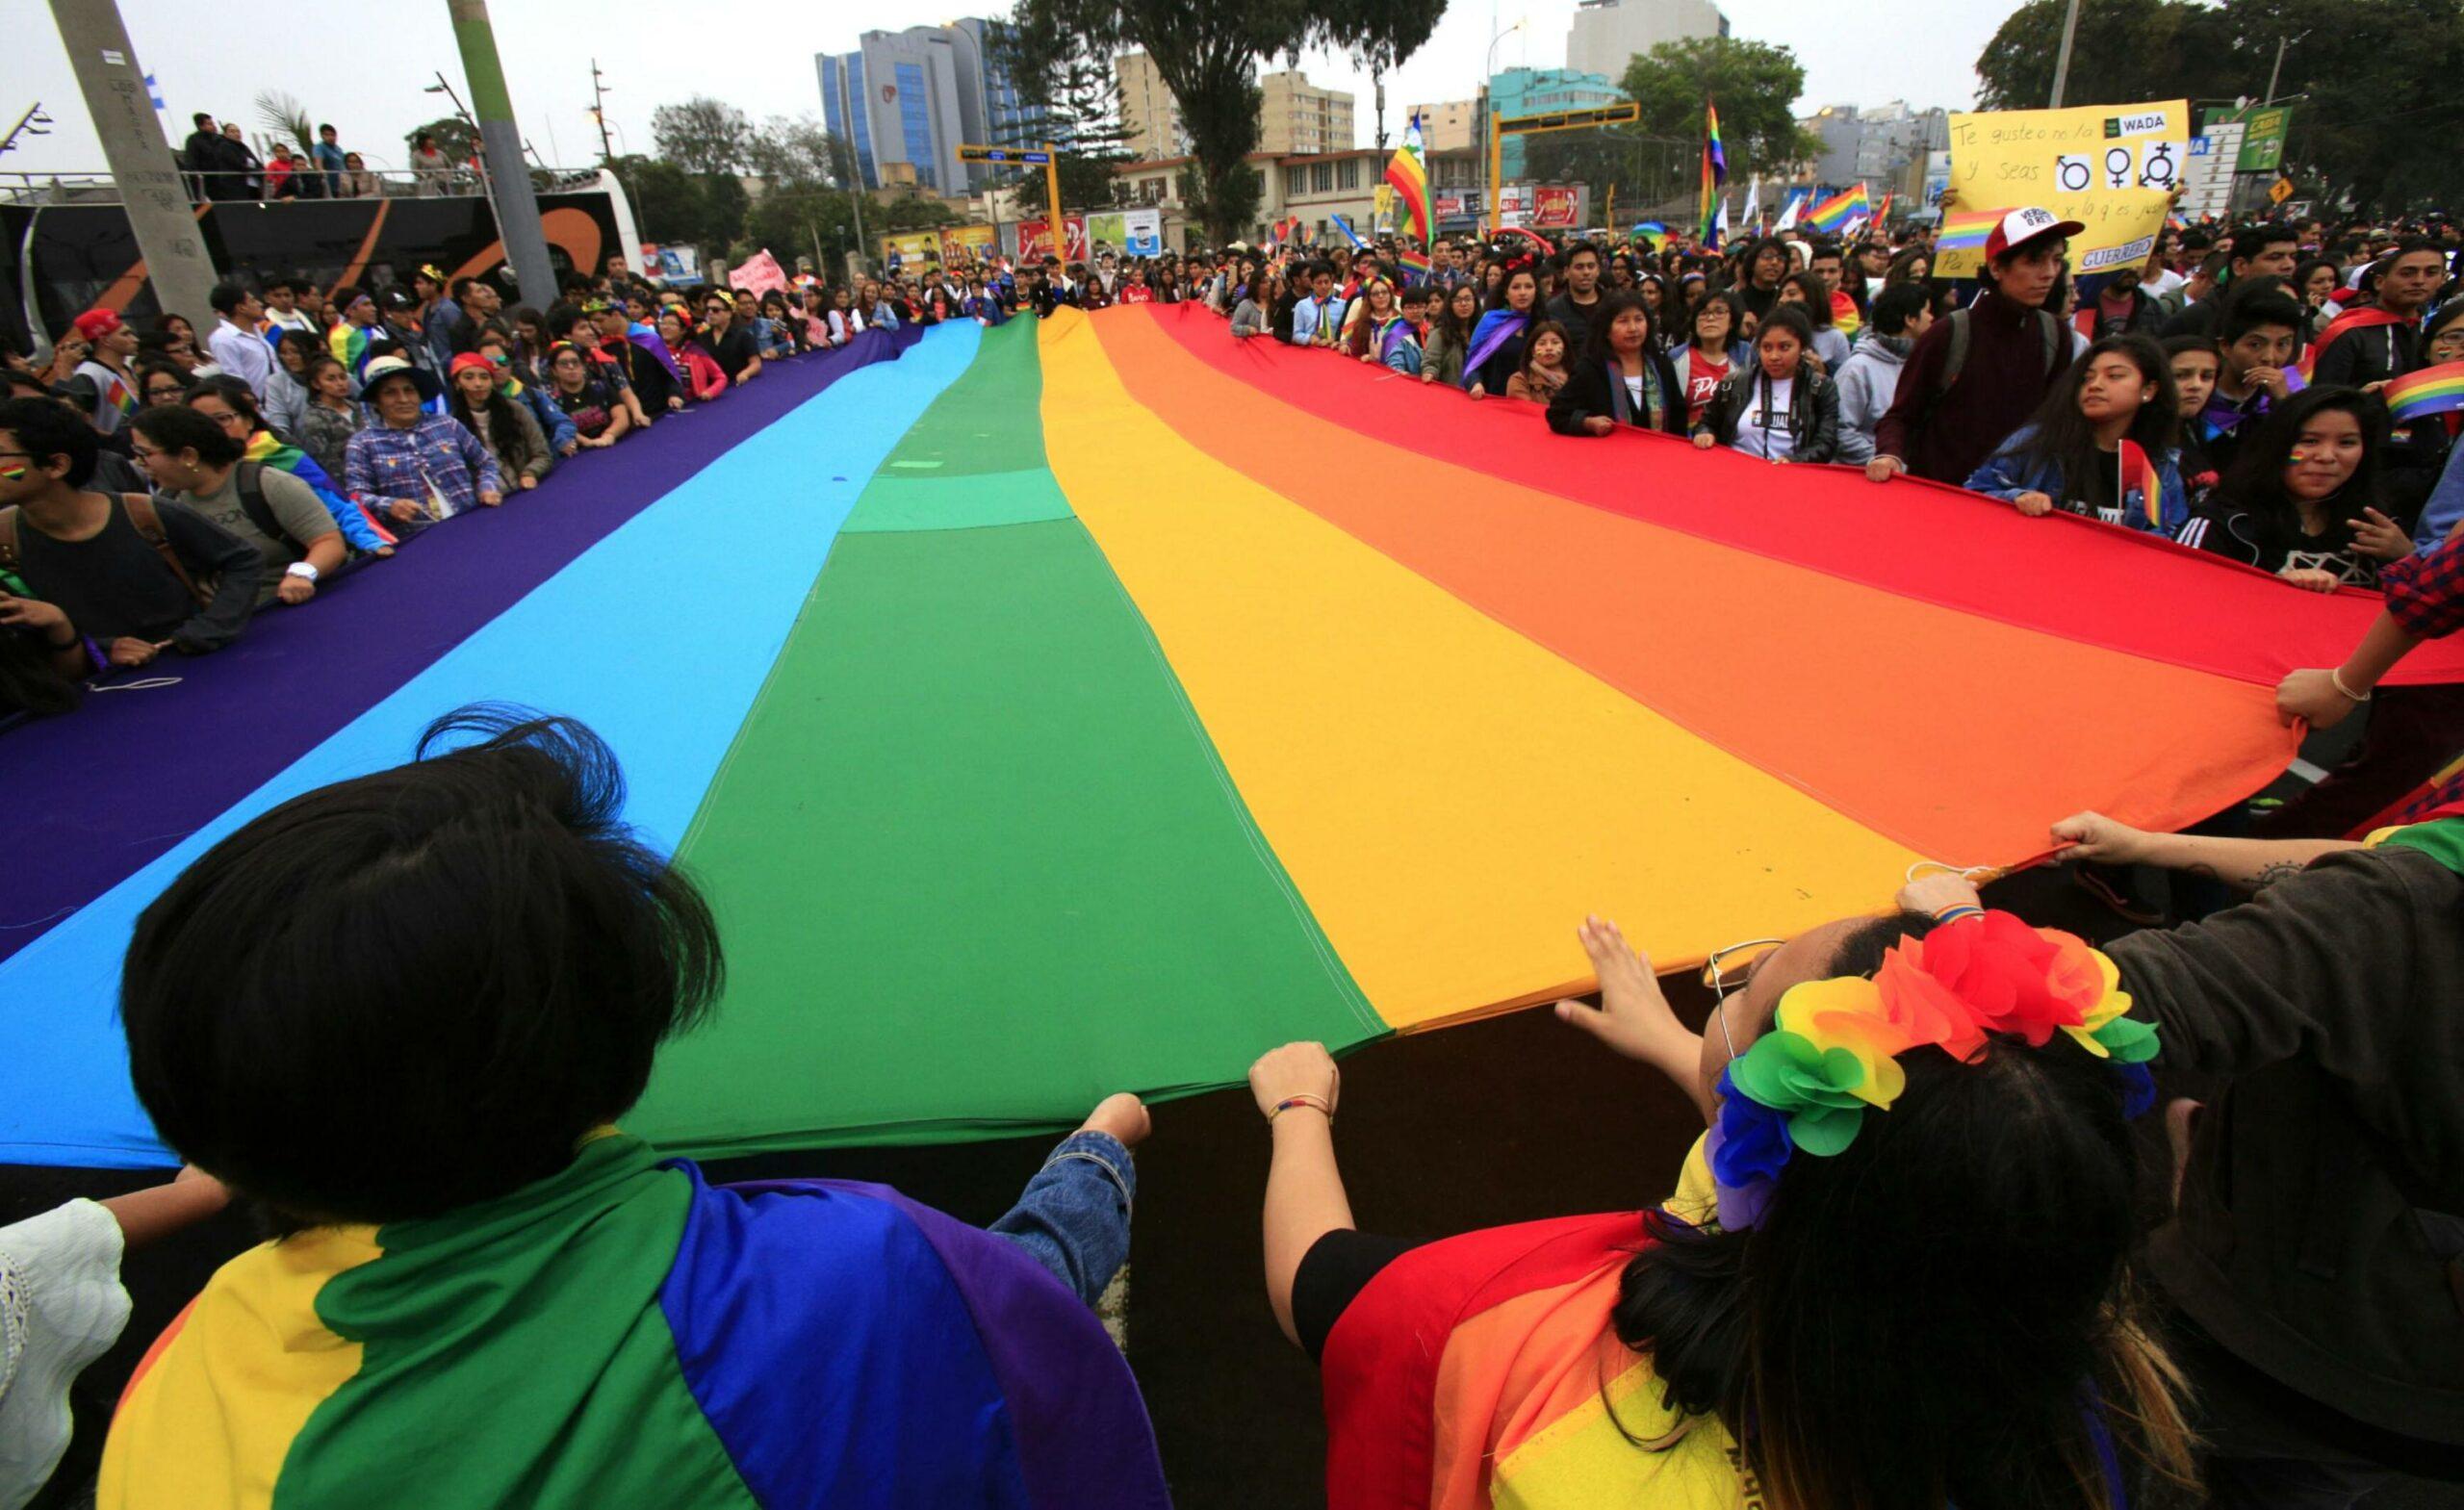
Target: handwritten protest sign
column 2111, row 167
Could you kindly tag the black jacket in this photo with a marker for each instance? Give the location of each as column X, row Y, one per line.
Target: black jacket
column 2308, row 1240
column 1813, row 411
column 1592, row 389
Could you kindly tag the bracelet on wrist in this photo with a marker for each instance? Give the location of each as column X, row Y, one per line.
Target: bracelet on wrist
column 1315, row 1103
column 2336, row 679
column 1952, row 914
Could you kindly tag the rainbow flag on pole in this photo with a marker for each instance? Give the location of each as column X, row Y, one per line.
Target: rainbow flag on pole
column 1832, row 215
column 1715, row 173
column 2139, row 473
column 1410, row 176
column 2433, row 390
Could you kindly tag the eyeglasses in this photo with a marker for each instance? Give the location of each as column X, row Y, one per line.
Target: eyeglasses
column 1731, row 970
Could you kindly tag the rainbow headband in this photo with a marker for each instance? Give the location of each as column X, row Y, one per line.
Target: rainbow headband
column 1831, row 1052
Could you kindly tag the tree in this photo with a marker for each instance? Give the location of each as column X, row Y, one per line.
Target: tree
column 814, row 222
column 1753, row 84
column 285, row 118
column 1204, row 52
column 701, row 135
column 2367, row 78
column 1234, row 204
column 667, row 200
column 796, row 152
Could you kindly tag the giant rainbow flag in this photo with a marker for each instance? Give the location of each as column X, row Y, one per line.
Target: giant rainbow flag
column 1093, row 703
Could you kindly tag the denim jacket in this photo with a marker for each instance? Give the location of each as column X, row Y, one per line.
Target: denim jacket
column 437, row 454
column 2005, row 476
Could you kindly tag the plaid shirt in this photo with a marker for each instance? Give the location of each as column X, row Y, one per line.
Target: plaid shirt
column 2426, row 593
column 437, row 464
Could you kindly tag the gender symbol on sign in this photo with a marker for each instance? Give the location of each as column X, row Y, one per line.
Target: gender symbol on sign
column 2157, row 168
column 2118, row 166
column 2073, row 175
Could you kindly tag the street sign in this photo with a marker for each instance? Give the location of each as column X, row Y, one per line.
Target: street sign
column 2280, row 191
column 1033, row 157
column 1625, row 115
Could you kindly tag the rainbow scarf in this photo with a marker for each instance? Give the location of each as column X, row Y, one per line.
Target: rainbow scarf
column 1483, row 1370
column 624, row 1332
column 2433, row 390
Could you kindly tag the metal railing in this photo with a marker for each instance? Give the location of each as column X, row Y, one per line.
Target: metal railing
column 87, row 187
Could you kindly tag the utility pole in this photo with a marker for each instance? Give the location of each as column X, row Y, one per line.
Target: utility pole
column 599, row 108
column 525, row 242
column 113, row 84
column 33, row 124
column 2275, row 73
column 2062, row 63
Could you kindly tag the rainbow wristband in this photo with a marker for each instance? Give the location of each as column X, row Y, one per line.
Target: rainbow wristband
column 1302, row 1100
column 1952, row 914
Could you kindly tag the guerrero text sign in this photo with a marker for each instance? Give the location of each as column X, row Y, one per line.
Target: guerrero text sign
column 2111, row 167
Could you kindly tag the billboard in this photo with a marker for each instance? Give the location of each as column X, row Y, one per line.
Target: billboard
column 1543, row 207
column 1035, row 238
column 912, row 250
column 967, row 243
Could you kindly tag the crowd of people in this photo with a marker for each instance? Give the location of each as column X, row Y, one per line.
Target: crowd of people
column 133, row 531
column 219, row 164
column 1911, row 1262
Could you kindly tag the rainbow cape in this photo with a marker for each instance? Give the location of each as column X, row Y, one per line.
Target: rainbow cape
column 1832, row 215
column 2433, row 390
column 364, row 527
column 623, row 1333
column 2366, row 317
column 1062, row 738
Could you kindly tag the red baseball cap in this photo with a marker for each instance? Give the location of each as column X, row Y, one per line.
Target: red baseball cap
column 2021, row 226
column 97, row 323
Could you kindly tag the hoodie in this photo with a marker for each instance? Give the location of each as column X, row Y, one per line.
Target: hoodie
column 1867, row 380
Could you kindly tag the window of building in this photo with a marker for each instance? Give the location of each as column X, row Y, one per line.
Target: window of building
column 1348, row 172
column 1322, row 177
column 1295, row 181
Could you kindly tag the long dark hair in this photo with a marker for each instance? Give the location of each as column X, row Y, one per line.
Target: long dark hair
column 1505, row 288
column 1817, row 302
column 503, row 425
column 2256, row 483
column 2063, row 435
column 1977, row 1232
column 1753, row 251
column 1596, row 350
column 1727, row 300
column 1458, row 330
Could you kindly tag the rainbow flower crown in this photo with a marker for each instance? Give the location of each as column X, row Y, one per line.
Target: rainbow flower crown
column 1831, row 1052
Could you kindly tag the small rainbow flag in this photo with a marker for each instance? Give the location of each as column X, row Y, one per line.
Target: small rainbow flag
column 1835, row 213
column 2138, row 471
column 2433, row 390
column 1966, row 230
column 1415, row 263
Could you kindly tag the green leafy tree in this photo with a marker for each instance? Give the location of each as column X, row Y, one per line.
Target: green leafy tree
column 815, row 221
column 1753, row 84
column 1234, row 204
column 701, row 135
column 1205, row 52
column 796, row 152
column 285, row 119
column 724, row 205
column 666, row 200
column 2125, row 51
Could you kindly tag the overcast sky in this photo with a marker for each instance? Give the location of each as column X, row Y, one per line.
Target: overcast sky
column 361, row 64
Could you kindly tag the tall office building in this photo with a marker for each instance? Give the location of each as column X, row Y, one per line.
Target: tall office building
column 1297, row 119
column 1150, row 117
column 1447, row 127
column 913, row 96
column 1607, row 33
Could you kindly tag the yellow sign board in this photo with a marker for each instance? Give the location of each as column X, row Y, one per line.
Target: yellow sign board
column 913, row 251
column 2111, row 167
column 2280, row 191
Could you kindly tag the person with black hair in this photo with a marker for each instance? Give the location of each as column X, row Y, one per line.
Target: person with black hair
column 2303, row 500
column 1978, row 373
column 2121, row 308
column 197, row 463
column 1504, row 329
column 480, row 948
column 1896, row 319
column 134, row 576
column 238, row 350
column 1579, row 304
column 2261, row 329
column 509, row 430
column 2071, row 455
column 1809, row 295
column 2314, row 282
column 1778, row 408
column 1925, row 1302
column 2265, row 250
column 1317, row 320
column 1713, row 350
column 1623, row 377
column 2196, row 362
column 1765, row 262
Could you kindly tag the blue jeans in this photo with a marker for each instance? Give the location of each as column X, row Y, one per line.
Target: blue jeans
column 1074, row 1216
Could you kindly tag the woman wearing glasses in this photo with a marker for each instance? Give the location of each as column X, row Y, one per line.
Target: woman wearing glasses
column 1891, row 1274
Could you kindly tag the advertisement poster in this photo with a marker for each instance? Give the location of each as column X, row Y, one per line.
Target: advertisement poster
column 2263, row 130
column 1143, row 233
column 1035, row 238
column 1543, row 207
column 911, row 249
column 678, row 265
column 1106, row 231
column 969, row 244
column 2111, row 167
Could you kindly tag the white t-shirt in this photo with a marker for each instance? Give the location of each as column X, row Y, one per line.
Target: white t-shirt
column 2164, row 283
column 1774, row 440
column 1634, row 390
